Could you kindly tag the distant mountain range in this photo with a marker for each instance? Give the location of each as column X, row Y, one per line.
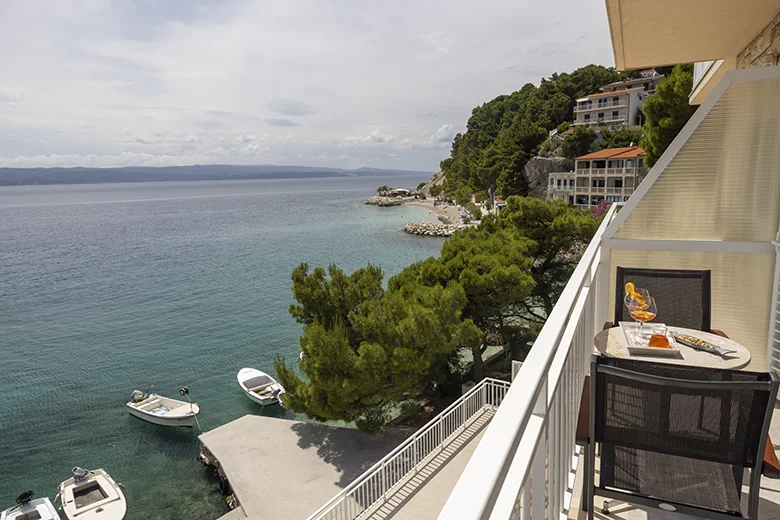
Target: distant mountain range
column 28, row 176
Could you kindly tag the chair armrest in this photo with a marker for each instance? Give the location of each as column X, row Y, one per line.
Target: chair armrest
column 771, row 468
column 719, row 333
column 583, row 417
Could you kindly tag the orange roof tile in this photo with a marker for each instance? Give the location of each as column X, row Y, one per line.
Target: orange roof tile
column 614, row 93
column 626, row 152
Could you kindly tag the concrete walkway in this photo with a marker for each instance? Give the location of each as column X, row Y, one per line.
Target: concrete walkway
column 288, row 469
column 424, row 495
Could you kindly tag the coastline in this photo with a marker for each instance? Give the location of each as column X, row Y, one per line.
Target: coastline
column 446, row 215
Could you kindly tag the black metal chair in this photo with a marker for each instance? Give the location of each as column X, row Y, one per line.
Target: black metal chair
column 683, row 297
column 656, row 452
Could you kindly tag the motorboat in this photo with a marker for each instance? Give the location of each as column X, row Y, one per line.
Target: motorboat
column 29, row 508
column 259, row 386
column 92, row 495
column 156, row 409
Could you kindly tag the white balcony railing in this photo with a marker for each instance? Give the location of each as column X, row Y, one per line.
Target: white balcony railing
column 598, row 106
column 523, row 466
column 372, row 488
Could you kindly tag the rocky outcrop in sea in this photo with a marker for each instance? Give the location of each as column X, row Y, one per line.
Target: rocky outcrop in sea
column 377, row 200
column 432, row 229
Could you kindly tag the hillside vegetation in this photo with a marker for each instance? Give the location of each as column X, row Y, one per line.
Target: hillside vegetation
column 504, row 133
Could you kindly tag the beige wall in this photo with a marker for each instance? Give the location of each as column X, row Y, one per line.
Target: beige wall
column 764, row 50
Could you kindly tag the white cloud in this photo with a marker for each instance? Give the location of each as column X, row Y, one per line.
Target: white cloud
column 375, row 137
column 444, row 134
column 108, row 81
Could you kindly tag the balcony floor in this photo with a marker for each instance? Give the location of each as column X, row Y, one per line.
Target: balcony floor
column 769, row 505
column 423, row 496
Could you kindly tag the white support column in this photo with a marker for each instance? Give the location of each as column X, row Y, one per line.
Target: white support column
column 773, row 342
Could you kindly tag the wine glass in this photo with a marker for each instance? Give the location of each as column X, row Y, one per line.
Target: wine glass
column 642, row 309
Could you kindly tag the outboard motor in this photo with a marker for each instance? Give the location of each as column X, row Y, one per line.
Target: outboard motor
column 79, row 474
column 24, row 498
column 137, row 396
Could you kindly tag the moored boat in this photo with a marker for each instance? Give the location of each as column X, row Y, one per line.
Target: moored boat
column 164, row 411
column 259, row 386
column 29, row 508
column 92, row 495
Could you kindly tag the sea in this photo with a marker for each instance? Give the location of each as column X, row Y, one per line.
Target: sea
column 108, row 288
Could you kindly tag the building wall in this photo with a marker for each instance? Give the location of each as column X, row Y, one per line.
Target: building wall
column 764, row 50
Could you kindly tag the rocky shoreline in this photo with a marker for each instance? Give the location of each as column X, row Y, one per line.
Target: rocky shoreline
column 432, row 229
column 377, row 200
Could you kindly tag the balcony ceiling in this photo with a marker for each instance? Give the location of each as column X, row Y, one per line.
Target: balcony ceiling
column 648, row 33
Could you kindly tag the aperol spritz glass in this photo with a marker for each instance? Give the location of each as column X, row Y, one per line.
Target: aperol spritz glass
column 642, row 309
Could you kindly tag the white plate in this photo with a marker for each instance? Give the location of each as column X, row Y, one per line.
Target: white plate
column 637, row 345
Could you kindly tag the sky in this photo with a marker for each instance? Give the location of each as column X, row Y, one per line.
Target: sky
column 343, row 84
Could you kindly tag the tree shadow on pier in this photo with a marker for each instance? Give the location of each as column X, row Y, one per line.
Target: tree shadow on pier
column 350, row 451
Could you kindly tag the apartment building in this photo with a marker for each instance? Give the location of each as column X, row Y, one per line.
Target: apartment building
column 618, row 104
column 610, row 174
column 561, row 186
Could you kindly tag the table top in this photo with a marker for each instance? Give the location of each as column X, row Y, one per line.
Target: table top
column 612, row 342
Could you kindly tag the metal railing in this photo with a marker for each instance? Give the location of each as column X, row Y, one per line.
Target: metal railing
column 522, row 467
column 371, row 489
column 610, row 104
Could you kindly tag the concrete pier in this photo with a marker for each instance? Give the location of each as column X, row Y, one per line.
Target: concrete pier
column 288, row 469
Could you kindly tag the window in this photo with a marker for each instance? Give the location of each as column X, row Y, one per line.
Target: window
column 625, row 199
column 617, row 183
column 615, row 101
column 587, row 117
column 601, row 116
column 559, row 183
column 615, row 114
column 571, row 183
column 641, row 162
column 597, row 183
column 629, row 163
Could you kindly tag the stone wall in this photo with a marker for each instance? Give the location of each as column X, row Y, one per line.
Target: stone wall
column 764, row 50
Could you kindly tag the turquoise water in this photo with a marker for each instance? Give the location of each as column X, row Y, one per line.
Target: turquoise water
column 108, row 288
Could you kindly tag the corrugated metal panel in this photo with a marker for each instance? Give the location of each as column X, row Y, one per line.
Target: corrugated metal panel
column 724, row 183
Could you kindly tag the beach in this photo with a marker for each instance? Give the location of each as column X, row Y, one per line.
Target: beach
column 448, row 212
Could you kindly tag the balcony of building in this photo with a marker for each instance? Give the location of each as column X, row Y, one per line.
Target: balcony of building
column 585, row 107
column 711, row 202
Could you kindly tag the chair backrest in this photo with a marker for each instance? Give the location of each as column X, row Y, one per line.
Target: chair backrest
column 681, row 296
column 695, row 412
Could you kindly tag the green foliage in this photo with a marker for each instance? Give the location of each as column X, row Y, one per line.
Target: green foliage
column 382, row 190
column 578, row 143
column 409, row 337
column 556, row 235
column 436, row 191
column 666, row 112
column 462, row 195
column 331, row 297
column 620, row 138
column 504, row 133
column 474, row 210
column 491, row 266
column 421, row 185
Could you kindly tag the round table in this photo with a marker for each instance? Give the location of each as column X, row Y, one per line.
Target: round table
column 612, row 342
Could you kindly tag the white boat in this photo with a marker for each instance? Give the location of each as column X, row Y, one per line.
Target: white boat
column 92, row 495
column 161, row 410
column 29, row 508
column 259, row 386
